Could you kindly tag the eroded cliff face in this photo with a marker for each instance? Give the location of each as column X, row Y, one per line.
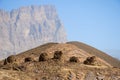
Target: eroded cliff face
column 28, row 27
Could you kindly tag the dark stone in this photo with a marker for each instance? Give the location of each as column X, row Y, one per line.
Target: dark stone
column 90, row 60
column 58, row 55
column 43, row 57
column 28, row 59
column 10, row 59
column 74, row 59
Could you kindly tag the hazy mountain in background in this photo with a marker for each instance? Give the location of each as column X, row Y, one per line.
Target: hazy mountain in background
column 27, row 27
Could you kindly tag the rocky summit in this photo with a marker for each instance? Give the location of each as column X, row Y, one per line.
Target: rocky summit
column 28, row 27
column 60, row 61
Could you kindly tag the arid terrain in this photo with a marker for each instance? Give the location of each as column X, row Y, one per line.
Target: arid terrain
column 60, row 61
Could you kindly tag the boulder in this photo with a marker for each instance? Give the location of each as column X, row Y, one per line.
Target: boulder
column 10, row 59
column 43, row 57
column 90, row 60
column 58, row 55
column 28, row 59
column 74, row 59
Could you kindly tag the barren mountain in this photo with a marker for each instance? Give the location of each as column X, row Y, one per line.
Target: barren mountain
column 60, row 61
column 28, row 27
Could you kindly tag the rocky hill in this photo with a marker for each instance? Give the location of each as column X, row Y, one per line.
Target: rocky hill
column 28, row 27
column 91, row 50
column 58, row 61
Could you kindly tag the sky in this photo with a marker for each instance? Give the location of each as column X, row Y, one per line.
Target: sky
column 94, row 22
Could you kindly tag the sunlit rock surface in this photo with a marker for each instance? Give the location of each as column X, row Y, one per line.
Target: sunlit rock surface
column 27, row 27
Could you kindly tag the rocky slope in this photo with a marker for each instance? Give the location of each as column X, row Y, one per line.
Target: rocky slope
column 27, row 27
column 55, row 61
column 91, row 50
